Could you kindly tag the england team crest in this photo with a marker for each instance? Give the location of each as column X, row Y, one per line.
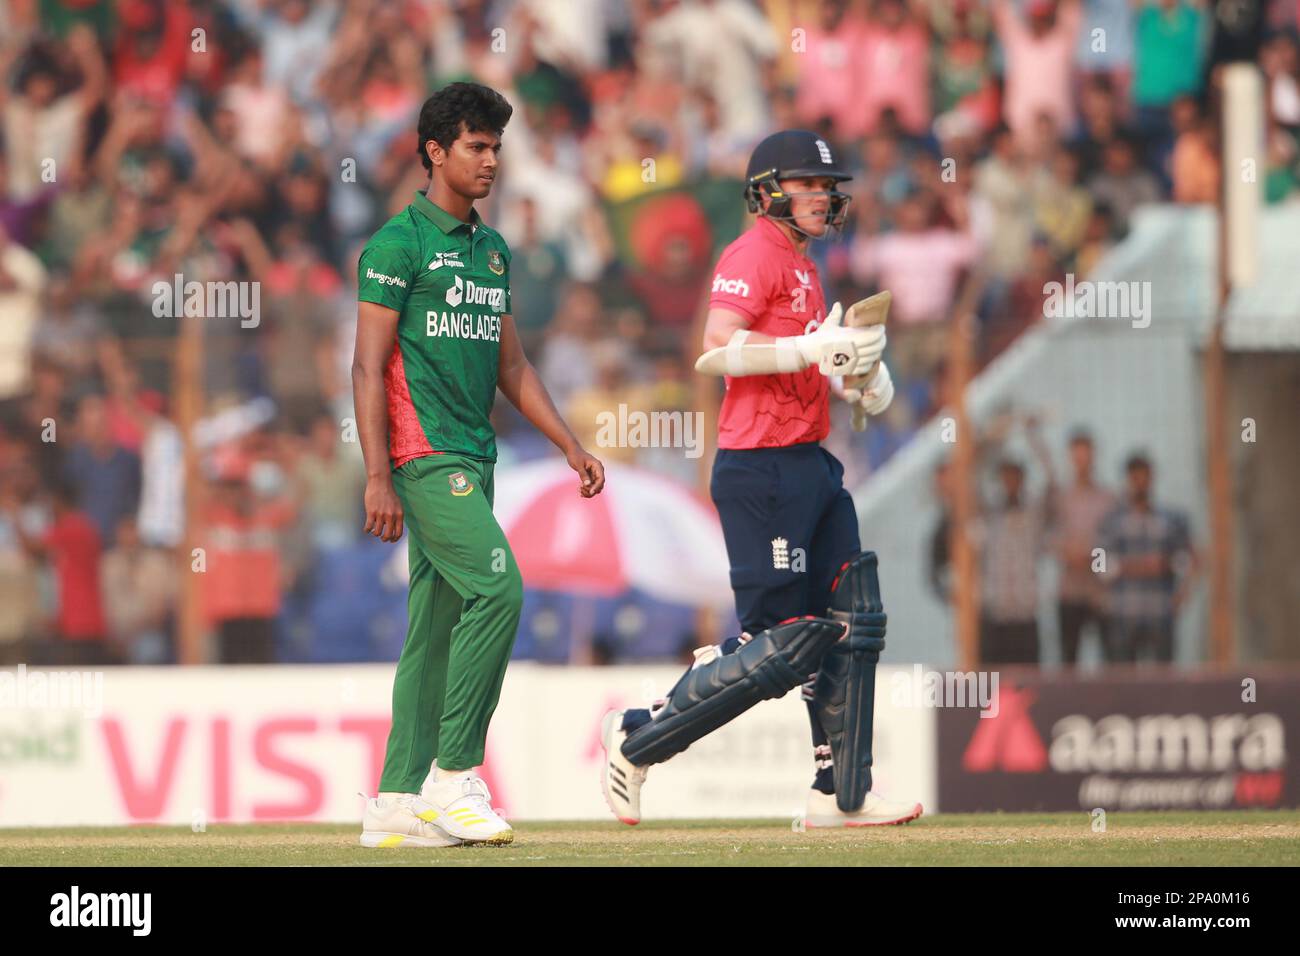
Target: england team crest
column 496, row 263
column 460, row 485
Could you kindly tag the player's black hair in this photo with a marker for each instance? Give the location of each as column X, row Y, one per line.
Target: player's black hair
column 470, row 107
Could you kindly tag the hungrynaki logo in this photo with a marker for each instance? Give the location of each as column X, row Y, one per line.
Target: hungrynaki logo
column 1009, row 741
column 383, row 279
column 733, row 286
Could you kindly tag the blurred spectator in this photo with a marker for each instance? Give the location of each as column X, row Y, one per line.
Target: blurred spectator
column 1122, row 184
column 1039, row 61
column 19, row 587
column 18, row 217
column 1025, row 298
column 893, row 68
column 537, row 268
column 562, row 208
column 331, row 479
column 160, row 518
column 828, row 70
column 72, row 545
column 1150, row 566
column 140, row 589
column 939, row 557
column 568, row 354
column 1194, row 163
column 1005, row 181
column 1171, row 38
column 43, row 116
column 105, row 475
column 1079, row 510
column 1098, row 239
column 920, row 264
column 1100, row 109
column 588, row 407
column 670, row 238
column 152, row 48
column 1062, row 207
column 242, row 584
column 22, row 280
column 884, row 178
column 1010, row 540
column 1280, row 62
column 1010, row 536
column 295, row 32
column 68, row 332
column 260, row 111
column 962, row 64
column 1105, row 45
column 726, row 46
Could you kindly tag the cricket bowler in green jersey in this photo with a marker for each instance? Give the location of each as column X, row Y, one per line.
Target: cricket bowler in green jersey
column 435, row 340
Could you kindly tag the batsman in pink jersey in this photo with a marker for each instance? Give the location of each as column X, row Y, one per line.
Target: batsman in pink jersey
column 807, row 596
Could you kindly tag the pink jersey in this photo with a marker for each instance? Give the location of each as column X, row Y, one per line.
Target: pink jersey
column 761, row 275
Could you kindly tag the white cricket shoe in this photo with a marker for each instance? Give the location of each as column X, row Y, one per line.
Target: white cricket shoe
column 464, row 809
column 620, row 780
column 876, row 811
column 404, row 821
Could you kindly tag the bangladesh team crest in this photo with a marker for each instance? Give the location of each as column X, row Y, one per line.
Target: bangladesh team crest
column 460, row 485
column 496, row 263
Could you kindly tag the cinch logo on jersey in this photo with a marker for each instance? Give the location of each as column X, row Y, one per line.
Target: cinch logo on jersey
column 734, row 286
column 464, row 290
column 462, row 325
column 383, row 279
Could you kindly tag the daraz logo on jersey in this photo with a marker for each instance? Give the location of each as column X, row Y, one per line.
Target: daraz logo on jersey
column 733, row 286
column 464, row 290
column 385, row 280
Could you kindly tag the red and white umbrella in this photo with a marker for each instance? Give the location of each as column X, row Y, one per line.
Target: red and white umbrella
column 644, row 531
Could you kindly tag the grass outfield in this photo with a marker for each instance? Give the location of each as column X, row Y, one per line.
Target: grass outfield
column 1242, row 838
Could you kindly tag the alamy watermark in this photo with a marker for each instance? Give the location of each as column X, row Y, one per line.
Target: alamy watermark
column 208, row 300
column 133, row 911
column 922, row 688
column 21, row 689
column 1098, row 300
column 637, row 429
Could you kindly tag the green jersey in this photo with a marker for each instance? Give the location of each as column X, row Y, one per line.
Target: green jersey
column 450, row 282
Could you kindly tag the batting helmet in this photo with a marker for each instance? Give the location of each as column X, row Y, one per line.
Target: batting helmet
column 793, row 154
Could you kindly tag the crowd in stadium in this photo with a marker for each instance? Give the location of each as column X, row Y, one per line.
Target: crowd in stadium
column 995, row 147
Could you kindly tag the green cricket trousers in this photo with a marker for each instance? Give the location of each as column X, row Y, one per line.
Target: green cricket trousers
column 464, row 605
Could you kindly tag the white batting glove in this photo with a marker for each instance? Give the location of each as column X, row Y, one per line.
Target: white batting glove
column 836, row 350
column 878, row 394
